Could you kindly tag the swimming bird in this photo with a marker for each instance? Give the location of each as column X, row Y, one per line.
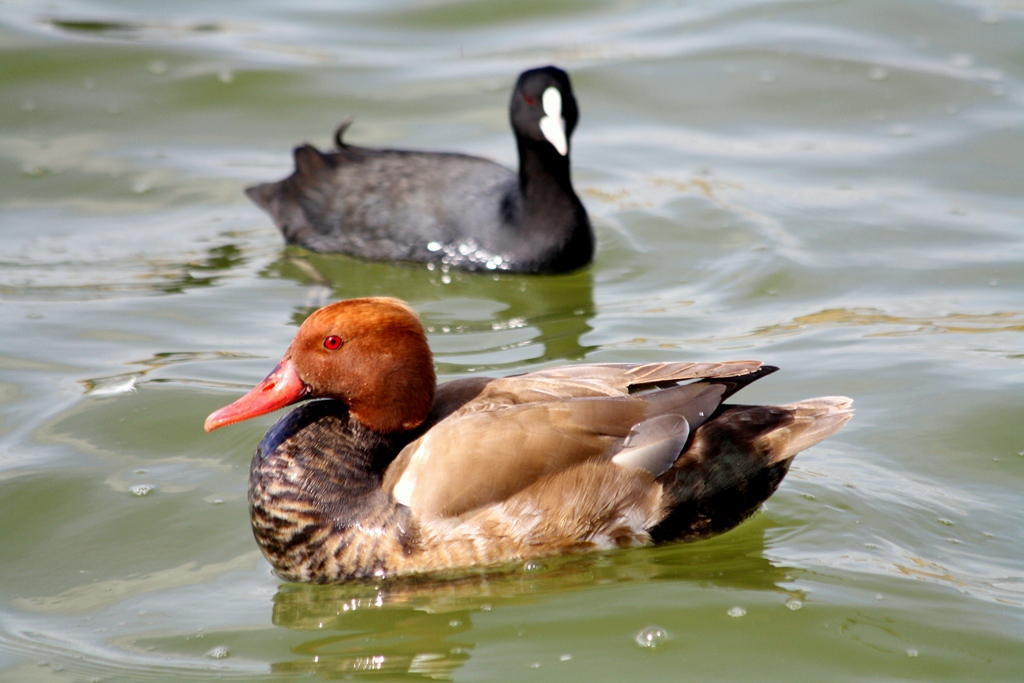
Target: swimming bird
column 383, row 472
column 448, row 208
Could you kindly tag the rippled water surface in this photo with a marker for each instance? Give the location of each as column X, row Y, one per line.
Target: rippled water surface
column 834, row 187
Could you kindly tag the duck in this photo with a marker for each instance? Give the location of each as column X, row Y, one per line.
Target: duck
column 446, row 208
column 383, row 472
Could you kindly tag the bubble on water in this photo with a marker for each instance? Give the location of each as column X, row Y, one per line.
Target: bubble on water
column 736, row 611
column 911, row 652
column 34, row 170
column 455, row 623
column 219, row 652
column 947, row 522
column 535, row 665
column 141, row 489
column 794, row 604
column 111, row 386
column 652, row 636
column 962, row 60
column 564, row 658
column 878, row 73
column 992, row 75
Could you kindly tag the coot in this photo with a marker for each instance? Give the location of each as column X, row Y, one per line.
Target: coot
column 455, row 209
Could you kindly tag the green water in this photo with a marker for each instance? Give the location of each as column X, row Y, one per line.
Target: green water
column 833, row 187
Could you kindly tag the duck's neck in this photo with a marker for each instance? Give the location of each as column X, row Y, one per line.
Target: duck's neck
column 550, row 202
column 314, row 490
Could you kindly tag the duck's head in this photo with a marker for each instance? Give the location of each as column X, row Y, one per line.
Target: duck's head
column 371, row 354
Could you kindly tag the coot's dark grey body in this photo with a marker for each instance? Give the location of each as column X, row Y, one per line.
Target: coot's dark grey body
column 464, row 211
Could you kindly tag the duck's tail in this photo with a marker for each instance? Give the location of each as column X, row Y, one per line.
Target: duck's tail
column 737, row 459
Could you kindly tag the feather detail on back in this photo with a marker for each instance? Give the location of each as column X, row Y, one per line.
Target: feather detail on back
column 510, row 432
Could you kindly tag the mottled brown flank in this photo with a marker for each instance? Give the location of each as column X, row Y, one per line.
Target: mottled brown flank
column 318, row 512
column 322, row 518
column 318, row 518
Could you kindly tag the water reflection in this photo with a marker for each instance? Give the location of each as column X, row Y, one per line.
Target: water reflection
column 420, row 627
column 206, row 271
column 371, row 630
column 47, row 268
column 127, row 382
column 130, row 29
column 476, row 321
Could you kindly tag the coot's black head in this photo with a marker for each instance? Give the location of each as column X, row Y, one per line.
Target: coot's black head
column 543, row 107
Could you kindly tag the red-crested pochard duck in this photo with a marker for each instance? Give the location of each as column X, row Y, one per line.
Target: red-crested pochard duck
column 390, row 474
column 458, row 210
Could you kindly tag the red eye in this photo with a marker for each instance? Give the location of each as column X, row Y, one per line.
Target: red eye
column 530, row 100
column 332, row 343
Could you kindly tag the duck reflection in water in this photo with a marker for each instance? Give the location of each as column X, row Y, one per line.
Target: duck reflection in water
column 424, row 626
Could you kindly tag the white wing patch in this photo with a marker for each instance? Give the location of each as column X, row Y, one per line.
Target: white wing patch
column 406, row 484
column 552, row 125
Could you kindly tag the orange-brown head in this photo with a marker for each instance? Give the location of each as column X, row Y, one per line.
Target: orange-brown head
column 371, row 354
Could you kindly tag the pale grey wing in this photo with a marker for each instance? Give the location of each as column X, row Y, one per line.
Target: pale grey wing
column 620, row 377
column 654, row 444
column 474, row 459
column 502, row 435
column 607, row 379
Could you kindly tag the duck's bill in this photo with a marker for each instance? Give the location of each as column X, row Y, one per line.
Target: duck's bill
column 282, row 387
